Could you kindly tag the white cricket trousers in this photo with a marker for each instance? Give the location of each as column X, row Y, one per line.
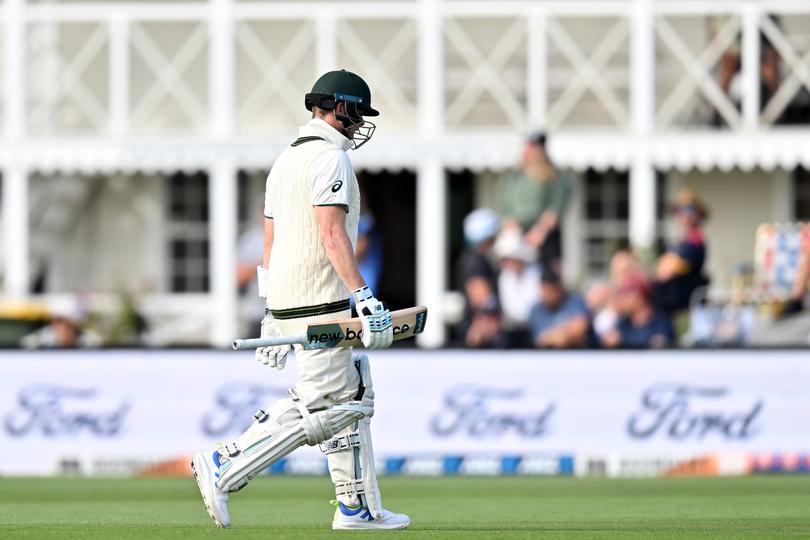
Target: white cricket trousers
column 326, row 377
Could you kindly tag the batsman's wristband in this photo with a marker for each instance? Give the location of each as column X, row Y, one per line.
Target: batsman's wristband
column 361, row 294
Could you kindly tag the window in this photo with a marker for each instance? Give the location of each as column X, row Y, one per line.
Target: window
column 607, row 210
column 188, row 233
column 607, row 216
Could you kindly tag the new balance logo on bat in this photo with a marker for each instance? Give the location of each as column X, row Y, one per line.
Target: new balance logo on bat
column 326, row 337
column 335, row 334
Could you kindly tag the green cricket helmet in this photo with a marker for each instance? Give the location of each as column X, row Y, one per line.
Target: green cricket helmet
column 343, row 86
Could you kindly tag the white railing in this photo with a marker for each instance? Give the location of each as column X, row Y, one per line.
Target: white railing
column 130, row 69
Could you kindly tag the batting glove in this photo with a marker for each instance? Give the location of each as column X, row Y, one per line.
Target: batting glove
column 378, row 330
column 275, row 356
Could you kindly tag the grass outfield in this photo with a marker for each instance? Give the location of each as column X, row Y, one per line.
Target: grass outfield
column 514, row 507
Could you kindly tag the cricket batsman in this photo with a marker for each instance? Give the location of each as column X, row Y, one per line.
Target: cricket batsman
column 312, row 206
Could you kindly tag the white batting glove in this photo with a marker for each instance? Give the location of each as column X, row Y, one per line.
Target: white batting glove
column 276, row 356
column 378, row 331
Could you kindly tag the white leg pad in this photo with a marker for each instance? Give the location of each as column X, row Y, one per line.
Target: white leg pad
column 351, row 455
column 267, row 441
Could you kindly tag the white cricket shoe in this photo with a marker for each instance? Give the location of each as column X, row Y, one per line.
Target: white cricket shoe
column 206, row 470
column 359, row 517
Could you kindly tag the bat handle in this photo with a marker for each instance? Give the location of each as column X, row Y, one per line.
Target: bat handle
column 254, row 343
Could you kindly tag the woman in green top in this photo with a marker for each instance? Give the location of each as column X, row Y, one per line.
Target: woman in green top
column 534, row 199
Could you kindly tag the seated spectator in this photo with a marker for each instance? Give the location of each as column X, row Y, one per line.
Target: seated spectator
column 599, row 297
column 560, row 319
column 517, row 285
column 604, row 319
column 64, row 329
column 486, row 329
column 640, row 326
column 623, row 263
column 679, row 271
column 476, row 277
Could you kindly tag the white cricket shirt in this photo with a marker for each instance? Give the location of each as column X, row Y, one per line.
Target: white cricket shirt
column 312, row 173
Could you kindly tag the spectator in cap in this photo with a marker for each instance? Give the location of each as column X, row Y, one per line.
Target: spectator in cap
column 560, row 319
column 679, row 271
column 517, row 285
column 640, row 325
column 476, row 278
column 534, row 199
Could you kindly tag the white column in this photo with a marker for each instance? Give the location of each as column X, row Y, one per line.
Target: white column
column 537, row 63
column 431, row 209
column 642, row 100
column 15, row 176
column 222, row 177
column 750, row 66
column 642, row 66
column 431, row 247
column 118, row 59
column 221, row 70
column 222, row 265
column 326, row 44
column 431, row 68
column 642, row 204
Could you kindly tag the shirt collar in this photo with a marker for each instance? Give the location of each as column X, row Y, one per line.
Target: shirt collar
column 318, row 127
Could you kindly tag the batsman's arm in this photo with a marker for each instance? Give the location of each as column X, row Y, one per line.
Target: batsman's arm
column 375, row 318
column 338, row 246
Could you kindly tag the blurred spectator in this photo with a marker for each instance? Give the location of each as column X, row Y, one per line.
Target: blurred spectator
column 560, row 319
column 599, row 301
column 250, row 250
column 679, row 271
column 476, row 277
column 800, row 286
column 728, row 78
column 369, row 250
column 770, row 78
column 640, row 324
column 517, row 285
column 599, row 297
column 63, row 331
column 623, row 263
column 717, row 321
column 486, row 329
column 535, row 199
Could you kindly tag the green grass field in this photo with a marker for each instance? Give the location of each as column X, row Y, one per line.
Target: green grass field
column 524, row 507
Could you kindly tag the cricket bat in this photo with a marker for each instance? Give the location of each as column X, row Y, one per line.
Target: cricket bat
column 348, row 333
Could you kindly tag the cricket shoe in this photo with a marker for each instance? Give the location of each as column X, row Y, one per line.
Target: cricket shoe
column 206, row 470
column 359, row 517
